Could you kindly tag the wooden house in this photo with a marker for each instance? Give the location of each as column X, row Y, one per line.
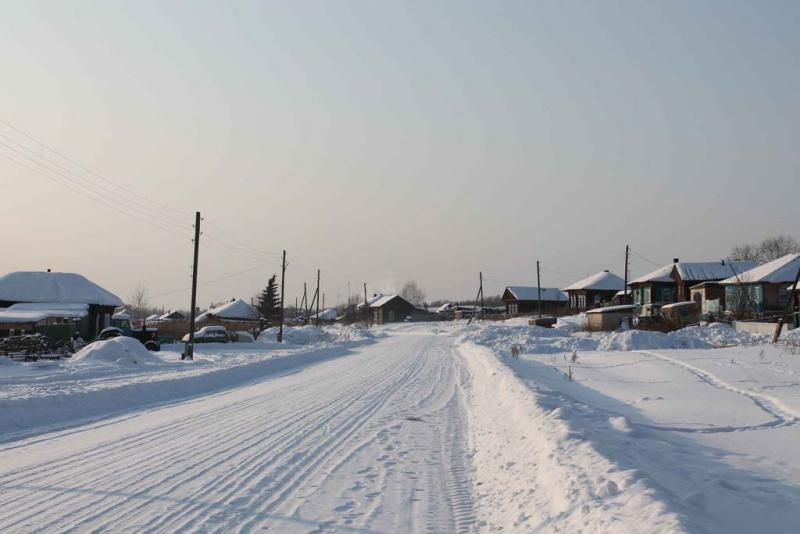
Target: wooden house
column 394, row 309
column 672, row 283
column 54, row 304
column 594, row 291
column 762, row 289
column 524, row 300
column 234, row 315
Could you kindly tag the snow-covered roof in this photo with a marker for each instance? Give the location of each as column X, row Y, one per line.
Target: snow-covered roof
column 383, row 300
column 326, row 315
column 40, row 286
column 609, row 309
column 370, row 300
column 237, row 309
column 602, row 281
column 696, row 271
column 780, row 271
column 121, row 315
column 33, row 312
column 678, row 304
column 151, row 318
column 532, row 293
column 170, row 315
column 620, row 293
column 444, row 307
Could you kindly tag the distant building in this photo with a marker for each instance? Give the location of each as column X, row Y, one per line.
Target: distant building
column 394, row 309
column 234, row 315
column 594, row 291
column 672, row 283
column 762, row 289
column 55, row 304
column 524, row 300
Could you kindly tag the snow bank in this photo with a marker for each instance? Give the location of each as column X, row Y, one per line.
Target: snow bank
column 534, row 473
column 313, row 335
column 538, row 340
column 118, row 352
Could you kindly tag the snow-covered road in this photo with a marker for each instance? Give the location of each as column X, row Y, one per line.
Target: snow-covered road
column 371, row 441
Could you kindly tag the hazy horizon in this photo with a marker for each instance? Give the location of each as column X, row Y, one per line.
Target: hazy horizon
column 383, row 142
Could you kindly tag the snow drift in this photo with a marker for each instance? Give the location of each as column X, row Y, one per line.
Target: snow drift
column 119, row 352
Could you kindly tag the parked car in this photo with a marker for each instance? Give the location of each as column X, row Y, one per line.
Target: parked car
column 211, row 334
column 146, row 336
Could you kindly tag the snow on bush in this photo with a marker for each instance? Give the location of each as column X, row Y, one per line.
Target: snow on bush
column 118, row 352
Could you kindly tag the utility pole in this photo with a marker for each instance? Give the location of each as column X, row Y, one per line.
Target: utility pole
column 188, row 353
column 478, row 297
column 480, row 277
column 296, row 309
column 627, row 260
column 283, row 286
column 304, row 303
column 789, row 307
column 366, row 305
column 539, row 288
column 317, row 297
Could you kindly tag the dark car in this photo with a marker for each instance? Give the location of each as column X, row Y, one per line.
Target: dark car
column 146, row 336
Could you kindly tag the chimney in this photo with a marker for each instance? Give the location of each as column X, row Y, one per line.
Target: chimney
column 48, row 270
column 676, row 260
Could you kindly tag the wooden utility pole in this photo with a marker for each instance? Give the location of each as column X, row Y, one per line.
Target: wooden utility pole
column 539, row 289
column 366, row 305
column 480, row 277
column 789, row 307
column 283, row 287
column 317, row 297
column 627, row 260
column 304, row 303
column 296, row 309
column 188, row 353
column 478, row 297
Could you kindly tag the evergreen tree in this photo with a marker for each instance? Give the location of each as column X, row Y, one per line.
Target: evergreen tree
column 269, row 303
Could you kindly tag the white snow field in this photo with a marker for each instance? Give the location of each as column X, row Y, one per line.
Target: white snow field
column 411, row 428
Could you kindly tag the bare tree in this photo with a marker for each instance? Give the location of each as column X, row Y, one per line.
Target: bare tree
column 769, row 249
column 776, row 247
column 412, row 293
column 744, row 253
column 139, row 302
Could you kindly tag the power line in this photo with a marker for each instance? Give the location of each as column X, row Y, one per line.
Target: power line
column 117, row 209
column 156, row 213
column 93, row 173
column 639, row 256
column 214, row 281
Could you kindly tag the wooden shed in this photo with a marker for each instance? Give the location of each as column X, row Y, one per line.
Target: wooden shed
column 610, row 318
column 680, row 314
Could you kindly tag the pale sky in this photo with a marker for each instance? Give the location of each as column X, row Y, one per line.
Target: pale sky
column 389, row 141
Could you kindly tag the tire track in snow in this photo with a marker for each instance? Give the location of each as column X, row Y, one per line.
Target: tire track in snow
column 283, row 454
column 781, row 416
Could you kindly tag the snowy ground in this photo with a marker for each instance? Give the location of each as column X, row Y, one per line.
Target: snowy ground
column 713, row 433
column 429, row 427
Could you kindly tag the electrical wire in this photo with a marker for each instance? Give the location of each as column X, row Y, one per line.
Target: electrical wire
column 214, row 281
column 100, row 201
column 93, row 173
